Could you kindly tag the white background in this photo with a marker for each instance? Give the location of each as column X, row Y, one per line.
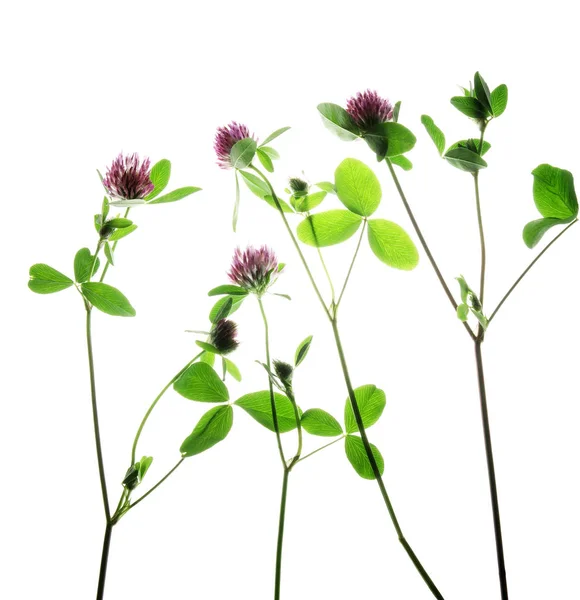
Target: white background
column 83, row 82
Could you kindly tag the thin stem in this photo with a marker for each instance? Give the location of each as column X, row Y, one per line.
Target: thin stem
column 281, row 520
column 327, row 274
column 424, row 244
column 168, row 474
column 321, row 448
column 113, row 249
column 104, row 561
column 491, row 472
column 293, row 238
column 296, row 458
column 481, row 237
column 154, row 403
column 507, row 295
column 271, row 388
column 96, row 416
column 352, row 263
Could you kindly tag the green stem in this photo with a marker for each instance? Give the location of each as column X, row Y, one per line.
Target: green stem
column 481, row 237
column 104, row 561
column 327, row 274
column 281, row 521
column 154, row 403
column 168, row 474
column 425, row 246
column 507, row 295
column 351, row 264
column 292, row 399
column 113, row 249
column 321, row 448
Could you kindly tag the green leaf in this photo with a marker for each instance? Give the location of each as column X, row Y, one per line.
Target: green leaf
column 107, row 299
column 465, row 160
column 337, row 120
column 258, row 406
column 482, row 92
column 46, row 280
column 265, row 160
column 232, row 369
column 119, row 223
column 82, row 265
column 535, row 230
column 357, row 187
column 463, row 288
column 470, row 107
column 480, row 317
column 144, row 465
column 471, row 144
column 434, row 133
column 390, row 139
column 256, row 185
column 160, row 174
column 232, row 290
column 175, row 195
column 285, row 296
column 302, row 350
column 109, row 253
column 318, row 422
column 462, row 312
column 201, row 383
column 402, row 161
column 121, row 233
column 212, row 428
column 215, row 311
column 274, row 135
column 499, row 100
column 392, row 245
column 207, row 347
column 328, row 228
column 309, row 202
column 208, row 358
column 243, row 153
column 371, row 402
column 273, row 154
column 285, row 206
column 104, row 207
column 357, row 456
column 326, row 186
column 554, row 193
column 396, row 111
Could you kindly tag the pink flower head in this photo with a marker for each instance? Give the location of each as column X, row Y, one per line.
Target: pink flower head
column 254, row 269
column 368, row 109
column 225, row 139
column 128, row 178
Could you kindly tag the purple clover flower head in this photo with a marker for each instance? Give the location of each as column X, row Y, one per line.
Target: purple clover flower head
column 225, row 139
column 368, row 109
column 129, row 178
column 223, row 336
column 254, row 269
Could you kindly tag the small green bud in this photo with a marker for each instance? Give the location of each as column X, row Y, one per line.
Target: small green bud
column 284, row 371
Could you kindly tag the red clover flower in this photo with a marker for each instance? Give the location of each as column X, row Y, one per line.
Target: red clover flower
column 368, row 109
column 223, row 336
column 128, row 178
column 225, row 139
column 254, row 269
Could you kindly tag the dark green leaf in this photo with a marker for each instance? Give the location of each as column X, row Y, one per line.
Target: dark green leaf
column 535, row 230
column 390, row 139
column 119, row 223
column 217, row 307
column 371, row 402
column 201, row 383
column 160, row 174
column 302, row 350
column 328, row 228
column 469, row 106
column 554, row 193
column 434, row 133
column 107, row 299
column 337, row 120
column 358, row 458
column 482, row 92
column 471, row 144
column 82, row 265
column 402, row 161
column 258, row 406
column 232, row 369
column 274, row 135
column 465, row 160
column 175, row 195
column 309, row 202
column 46, row 280
column 212, row 428
column 357, row 187
column 265, row 160
column 318, row 422
column 121, row 233
column 207, row 347
column 232, row 290
column 392, row 245
column 499, row 100
column 243, row 153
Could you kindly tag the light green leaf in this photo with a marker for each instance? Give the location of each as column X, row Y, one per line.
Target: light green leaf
column 337, row 120
column 175, row 195
column 328, row 228
column 396, row 111
column 309, row 202
column 207, row 347
column 554, row 193
column 274, row 135
column 392, row 245
column 243, row 153
column 232, row 369
column 273, row 154
column 465, row 160
column 535, row 230
column 285, row 206
column 318, row 422
column 82, row 265
column 434, row 133
column 462, row 312
column 107, row 299
column 144, row 465
column 46, row 280
column 160, row 174
column 326, row 186
column 119, row 223
column 258, row 406
column 402, row 161
column 109, row 253
column 371, row 402
column 499, row 100
column 358, row 458
column 121, row 233
column 208, row 358
column 256, row 185
column 357, row 187
column 302, row 350
column 201, row 383
column 215, row 311
column 265, row 160
column 232, row 290
column 212, row 428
